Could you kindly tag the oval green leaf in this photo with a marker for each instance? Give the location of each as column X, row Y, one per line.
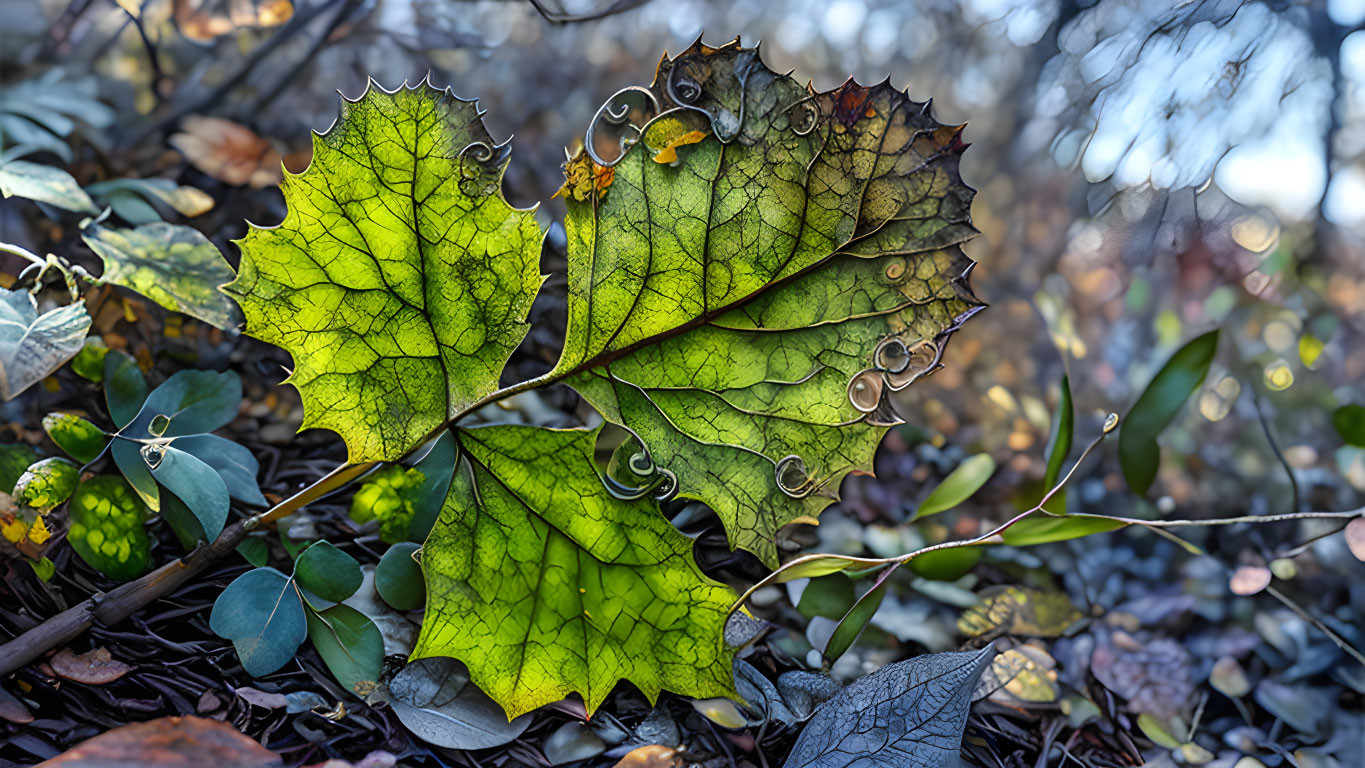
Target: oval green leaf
column 350, row 644
column 1157, row 407
column 46, row 483
column 958, row 486
column 81, row 440
column 262, row 614
column 328, row 572
column 125, row 388
column 1349, row 422
column 398, row 578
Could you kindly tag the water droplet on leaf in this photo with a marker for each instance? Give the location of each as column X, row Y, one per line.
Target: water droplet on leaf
column 153, row 453
column 865, row 391
column 921, row 359
column 159, row 425
column 1110, row 422
column 792, row 478
column 891, row 355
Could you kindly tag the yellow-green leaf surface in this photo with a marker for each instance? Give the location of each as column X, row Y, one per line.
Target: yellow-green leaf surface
column 175, row 266
column 746, row 306
column 400, row 279
column 544, row 584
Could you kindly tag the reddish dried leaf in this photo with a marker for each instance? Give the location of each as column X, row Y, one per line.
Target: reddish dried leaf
column 1355, row 537
column 652, row 756
column 169, row 742
column 232, row 153
column 1249, row 579
column 95, row 667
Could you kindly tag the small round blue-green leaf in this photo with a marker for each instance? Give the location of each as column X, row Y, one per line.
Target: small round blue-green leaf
column 196, row 484
column 107, row 530
column 1349, row 421
column 89, row 362
column 234, row 463
column 959, row 485
column 125, row 389
column 46, row 483
column 194, row 401
column 398, row 578
column 81, row 440
column 328, row 572
column 350, row 644
column 128, row 458
column 262, row 614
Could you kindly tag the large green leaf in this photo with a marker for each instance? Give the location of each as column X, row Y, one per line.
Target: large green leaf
column 400, row 279
column 544, row 583
column 747, row 309
column 175, row 266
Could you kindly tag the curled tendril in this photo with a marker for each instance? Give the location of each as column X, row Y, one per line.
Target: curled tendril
column 810, row 116
column 616, row 111
column 662, row 484
column 484, row 154
column 792, row 477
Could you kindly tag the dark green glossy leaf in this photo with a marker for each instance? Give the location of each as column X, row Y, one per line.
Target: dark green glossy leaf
column 255, row 551
column 263, row 616
column 1059, row 441
column 81, row 440
column 1349, row 421
column 350, row 644
column 945, row 564
column 398, row 578
column 830, row 596
column 855, row 621
column 328, row 572
column 107, row 530
column 14, row 459
column 1157, row 407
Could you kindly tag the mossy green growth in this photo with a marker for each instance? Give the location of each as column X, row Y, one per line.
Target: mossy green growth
column 46, row 483
column 107, row 528
column 388, row 495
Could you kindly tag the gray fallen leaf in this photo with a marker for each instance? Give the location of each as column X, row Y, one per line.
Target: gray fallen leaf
column 804, row 691
column 44, row 183
column 761, row 695
column 572, row 742
column 467, row 720
column 33, row 345
column 906, row 714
